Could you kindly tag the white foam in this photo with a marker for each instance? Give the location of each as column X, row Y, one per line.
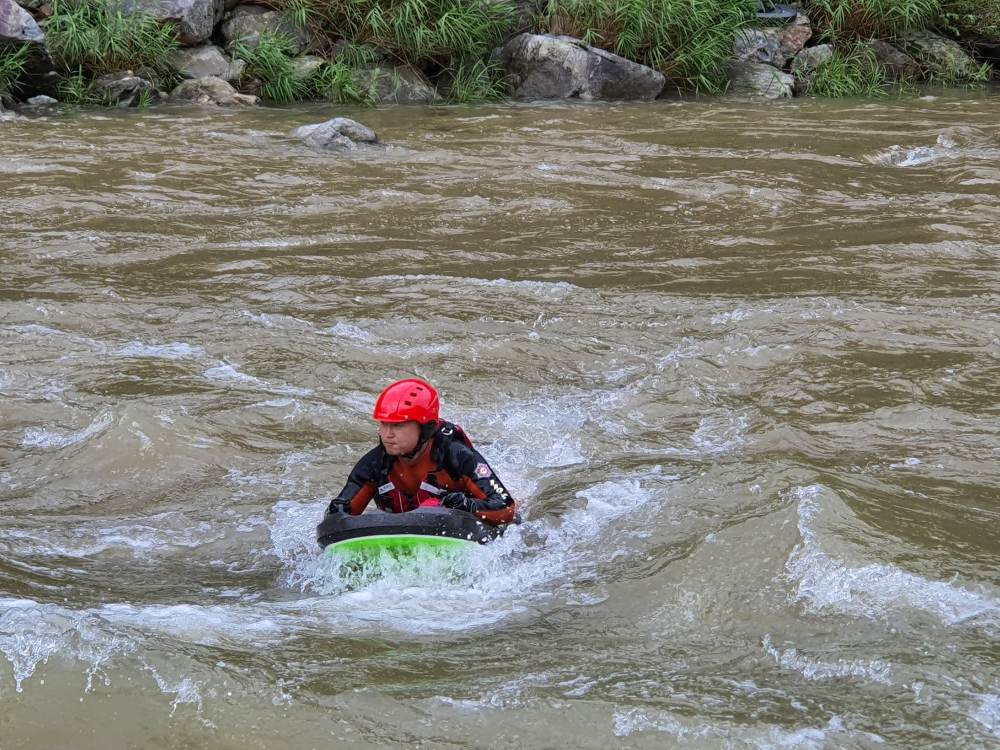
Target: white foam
column 160, row 351
column 872, row 590
column 40, row 438
column 227, row 373
column 875, row 669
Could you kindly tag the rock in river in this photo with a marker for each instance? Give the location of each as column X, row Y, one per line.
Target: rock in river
column 211, row 90
column 540, row 66
column 750, row 80
column 338, row 134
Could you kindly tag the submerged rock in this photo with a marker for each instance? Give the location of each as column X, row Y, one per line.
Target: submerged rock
column 336, row 135
column 204, row 61
column 41, row 101
column 17, row 27
column 195, row 19
column 773, row 46
column 936, row 55
column 752, row 80
column 123, row 88
column 540, row 66
column 895, row 62
column 211, row 90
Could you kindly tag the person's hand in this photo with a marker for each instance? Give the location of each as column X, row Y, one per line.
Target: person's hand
column 458, row 501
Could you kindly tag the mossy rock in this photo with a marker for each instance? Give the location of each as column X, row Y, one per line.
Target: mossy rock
column 937, row 57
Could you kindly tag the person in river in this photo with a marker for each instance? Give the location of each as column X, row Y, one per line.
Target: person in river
column 422, row 460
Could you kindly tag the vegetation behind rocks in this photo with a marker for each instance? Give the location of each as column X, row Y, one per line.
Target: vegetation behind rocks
column 363, row 51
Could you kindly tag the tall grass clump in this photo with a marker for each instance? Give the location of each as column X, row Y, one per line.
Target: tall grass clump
column 688, row 41
column 269, row 62
column 417, row 32
column 872, row 19
column 12, row 63
column 336, row 82
column 977, row 16
column 851, row 72
column 95, row 37
column 474, row 81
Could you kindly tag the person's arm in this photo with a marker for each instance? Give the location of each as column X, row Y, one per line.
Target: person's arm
column 486, row 496
column 361, row 485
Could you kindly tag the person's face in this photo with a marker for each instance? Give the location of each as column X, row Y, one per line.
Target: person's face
column 399, row 438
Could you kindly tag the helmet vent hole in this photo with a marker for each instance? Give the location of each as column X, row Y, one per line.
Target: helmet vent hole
column 408, row 403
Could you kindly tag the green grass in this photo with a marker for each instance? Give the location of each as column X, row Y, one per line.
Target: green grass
column 270, row 63
column 336, row 82
column 77, row 89
column 854, row 72
column 979, row 16
column 12, row 63
column 92, row 36
column 871, row 19
column 474, row 81
column 416, row 32
column 689, row 41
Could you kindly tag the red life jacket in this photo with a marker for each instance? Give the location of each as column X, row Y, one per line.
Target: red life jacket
column 393, row 500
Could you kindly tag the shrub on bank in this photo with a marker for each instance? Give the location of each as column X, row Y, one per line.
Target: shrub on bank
column 689, row 41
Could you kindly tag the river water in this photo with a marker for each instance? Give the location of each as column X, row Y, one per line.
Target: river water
column 738, row 363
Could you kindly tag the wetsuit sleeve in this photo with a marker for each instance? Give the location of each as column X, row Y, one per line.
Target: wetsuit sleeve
column 494, row 504
column 361, row 484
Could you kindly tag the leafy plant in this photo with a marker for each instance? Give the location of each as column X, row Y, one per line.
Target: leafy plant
column 869, row 19
column 336, row 82
column 978, row 16
column 474, row 81
column 689, row 41
column 77, row 89
column 12, row 63
column 270, row 63
column 417, row 32
column 99, row 38
column 854, row 72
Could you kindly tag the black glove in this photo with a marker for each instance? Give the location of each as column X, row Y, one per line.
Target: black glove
column 459, row 501
column 338, row 507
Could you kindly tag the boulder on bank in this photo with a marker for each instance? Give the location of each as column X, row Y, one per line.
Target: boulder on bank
column 211, row 90
column 204, row 61
column 336, row 135
column 754, row 81
column 123, row 88
column 401, row 85
column 195, row 19
column 246, row 23
column 773, row 46
column 805, row 64
column 17, row 27
column 895, row 62
column 541, row 66
column 936, row 55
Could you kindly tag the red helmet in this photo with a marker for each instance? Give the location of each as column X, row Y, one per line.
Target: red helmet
column 408, row 400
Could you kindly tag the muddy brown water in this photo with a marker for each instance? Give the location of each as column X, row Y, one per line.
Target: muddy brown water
column 739, row 363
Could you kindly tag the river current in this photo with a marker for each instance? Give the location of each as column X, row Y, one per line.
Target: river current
column 738, row 363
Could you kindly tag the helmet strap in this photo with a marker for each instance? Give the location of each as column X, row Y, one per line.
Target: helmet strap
column 427, row 431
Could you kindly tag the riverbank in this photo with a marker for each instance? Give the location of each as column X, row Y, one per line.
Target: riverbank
column 137, row 52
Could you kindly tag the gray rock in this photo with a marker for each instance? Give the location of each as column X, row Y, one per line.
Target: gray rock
column 773, row 46
column 303, row 67
column 17, row 27
column 123, row 88
column 541, row 66
column 201, row 62
column 247, row 22
column 896, row 62
column 811, row 58
column 41, row 101
column 402, row 85
column 751, row 81
column 936, row 56
column 195, row 19
column 337, row 135
column 211, row 90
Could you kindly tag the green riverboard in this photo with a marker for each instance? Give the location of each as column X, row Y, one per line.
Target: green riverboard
column 400, row 542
